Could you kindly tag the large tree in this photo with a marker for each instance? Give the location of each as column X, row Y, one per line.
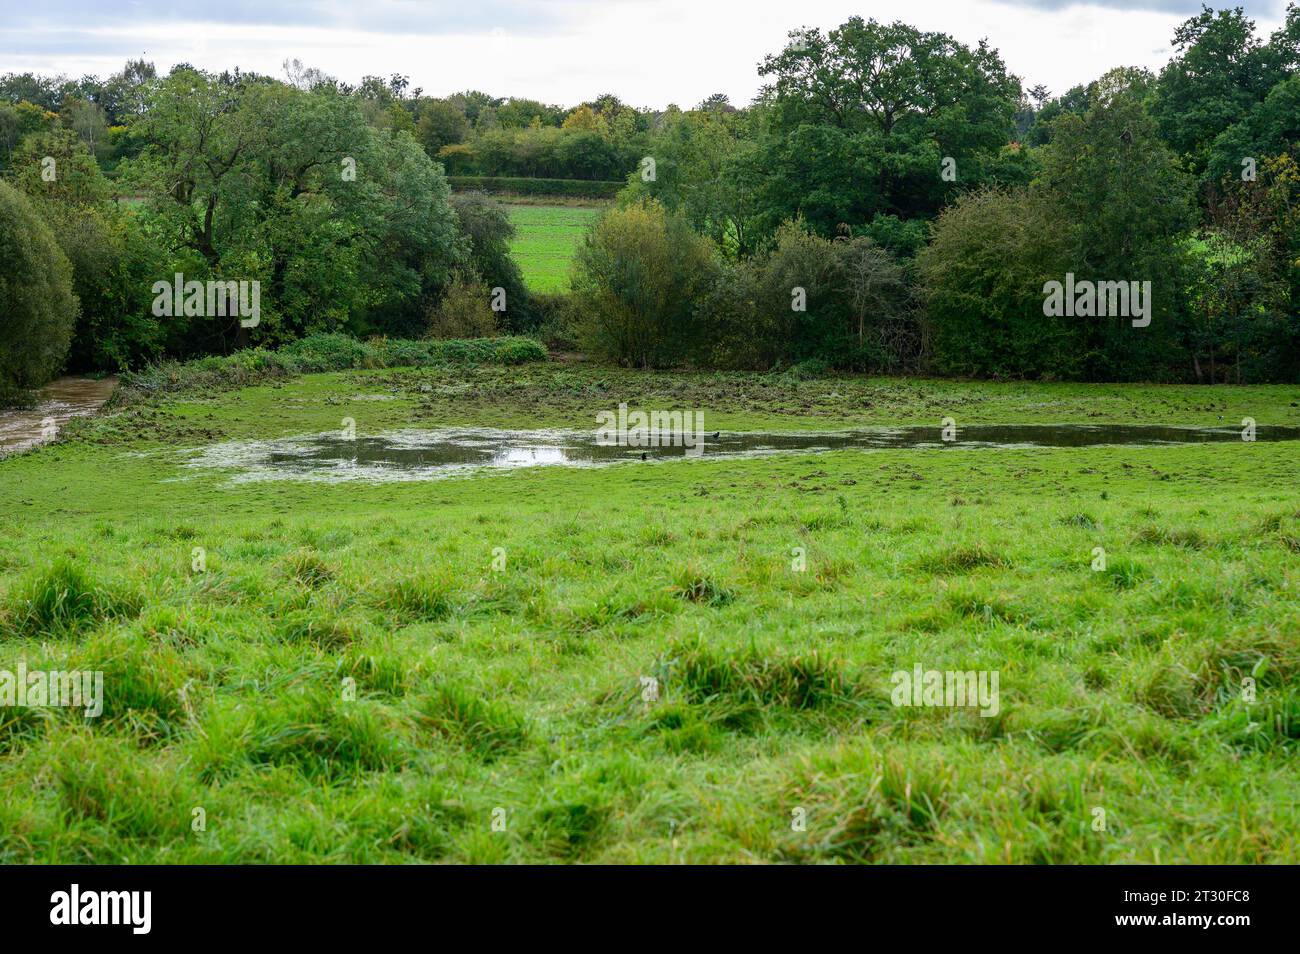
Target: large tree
column 37, row 306
column 904, row 120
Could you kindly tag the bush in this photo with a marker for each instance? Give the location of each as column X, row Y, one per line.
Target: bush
column 555, row 322
column 464, row 311
column 843, row 303
column 487, row 227
column 982, row 279
column 38, row 309
column 636, row 280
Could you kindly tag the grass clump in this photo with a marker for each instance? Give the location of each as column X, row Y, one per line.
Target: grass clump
column 308, row 568
column 489, row 729
column 963, row 559
column 65, row 599
column 420, row 598
column 701, row 674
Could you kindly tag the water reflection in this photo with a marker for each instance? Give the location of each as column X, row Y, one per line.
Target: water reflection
column 428, row 454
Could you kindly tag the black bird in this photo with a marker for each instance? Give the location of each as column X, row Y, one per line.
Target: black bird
column 715, row 434
column 1126, row 136
column 645, row 456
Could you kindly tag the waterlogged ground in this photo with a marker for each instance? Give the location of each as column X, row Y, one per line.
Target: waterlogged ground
column 500, row 630
column 54, row 405
column 408, row 455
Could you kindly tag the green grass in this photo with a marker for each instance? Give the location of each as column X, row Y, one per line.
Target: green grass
column 348, row 679
column 546, row 238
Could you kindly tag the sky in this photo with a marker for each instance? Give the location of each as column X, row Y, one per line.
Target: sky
column 648, row 52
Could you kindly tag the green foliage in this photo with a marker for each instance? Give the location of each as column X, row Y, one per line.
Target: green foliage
column 1110, row 205
column 464, row 310
column 38, row 309
column 488, row 227
column 1222, row 73
column 252, row 180
column 845, row 303
column 518, row 185
column 317, row 353
column 864, row 116
column 636, row 282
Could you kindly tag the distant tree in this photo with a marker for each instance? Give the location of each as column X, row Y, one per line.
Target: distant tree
column 441, row 124
column 516, row 113
column 1221, row 71
column 865, row 117
column 1125, row 204
column 717, row 103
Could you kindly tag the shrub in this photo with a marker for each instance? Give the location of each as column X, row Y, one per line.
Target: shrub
column 982, row 278
column 38, row 309
column 465, row 311
column 636, row 281
column 487, row 227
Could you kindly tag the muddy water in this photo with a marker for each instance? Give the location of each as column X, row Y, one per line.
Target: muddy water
column 430, row 454
column 57, row 403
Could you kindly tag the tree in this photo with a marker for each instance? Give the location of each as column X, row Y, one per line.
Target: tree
column 703, row 172
column 517, row 113
column 870, row 75
column 87, row 120
column 865, row 118
column 637, row 278
column 982, row 277
column 114, row 260
column 1221, row 72
column 341, row 223
column 876, row 289
column 1125, row 206
column 37, row 306
column 440, row 124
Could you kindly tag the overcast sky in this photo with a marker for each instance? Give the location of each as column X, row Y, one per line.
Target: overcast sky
column 649, row 52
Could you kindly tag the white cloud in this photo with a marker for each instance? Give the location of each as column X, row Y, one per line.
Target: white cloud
column 649, row 52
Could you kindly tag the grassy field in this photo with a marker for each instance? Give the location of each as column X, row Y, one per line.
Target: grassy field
column 545, row 240
column 501, row 715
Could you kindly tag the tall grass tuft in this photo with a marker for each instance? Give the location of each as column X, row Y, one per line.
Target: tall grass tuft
column 65, row 599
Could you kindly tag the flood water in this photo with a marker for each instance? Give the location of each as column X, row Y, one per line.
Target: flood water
column 430, row 454
column 57, row 403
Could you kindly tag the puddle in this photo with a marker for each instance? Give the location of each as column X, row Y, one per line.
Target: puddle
column 430, row 454
column 57, row 403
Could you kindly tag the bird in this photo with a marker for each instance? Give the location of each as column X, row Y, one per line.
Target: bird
column 1126, row 136
column 645, row 456
column 715, row 434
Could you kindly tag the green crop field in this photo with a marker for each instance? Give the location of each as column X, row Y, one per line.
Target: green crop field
column 457, row 669
column 545, row 240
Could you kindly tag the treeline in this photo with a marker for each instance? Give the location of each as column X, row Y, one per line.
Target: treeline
column 896, row 201
column 470, row 133
column 344, row 225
